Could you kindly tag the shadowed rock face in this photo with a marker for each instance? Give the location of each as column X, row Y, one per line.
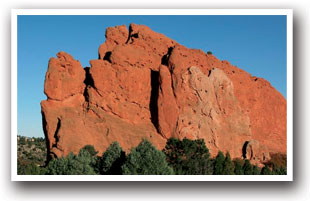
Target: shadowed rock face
column 145, row 85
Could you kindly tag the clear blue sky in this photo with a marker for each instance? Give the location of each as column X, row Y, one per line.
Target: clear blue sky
column 256, row 44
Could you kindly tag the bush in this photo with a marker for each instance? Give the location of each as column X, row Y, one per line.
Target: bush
column 28, row 169
column 81, row 164
column 145, row 159
column 247, row 168
column 112, row 160
column 90, row 149
column 188, row 157
column 266, row 170
column 228, row 166
column 209, row 52
column 218, row 164
column 238, row 168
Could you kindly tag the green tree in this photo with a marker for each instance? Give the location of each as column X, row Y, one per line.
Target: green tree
column 145, row 159
column 91, row 150
column 228, row 166
column 112, row 160
column 219, row 164
column 266, row 170
column 28, row 169
column 188, row 157
column 238, row 168
column 256, row 170
column 247, row 168
column 81, row 164
column 279, row 171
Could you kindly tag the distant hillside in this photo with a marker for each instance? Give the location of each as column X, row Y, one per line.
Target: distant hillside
column 31, row 154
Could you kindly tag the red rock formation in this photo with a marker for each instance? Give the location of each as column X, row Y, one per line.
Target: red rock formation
column 145, row 85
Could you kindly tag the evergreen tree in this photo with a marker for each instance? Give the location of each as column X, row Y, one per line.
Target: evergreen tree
column 96, row 159
column 247, row 168
column 81, row 164
column 91, row 150
column 28, row 169
column 188, row 157
column 279, row 171
column 112, row 160
column 218, row 164
column 145, row 159
column 238, row 168
column 256, row 170
column 266, row 170
column 228, row 166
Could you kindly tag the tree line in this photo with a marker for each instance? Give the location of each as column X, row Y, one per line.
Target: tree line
column 179, row 157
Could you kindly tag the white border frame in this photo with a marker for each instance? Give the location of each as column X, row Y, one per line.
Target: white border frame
column 287, row 12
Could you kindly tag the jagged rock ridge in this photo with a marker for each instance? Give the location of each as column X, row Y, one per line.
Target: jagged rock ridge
column 145, row 85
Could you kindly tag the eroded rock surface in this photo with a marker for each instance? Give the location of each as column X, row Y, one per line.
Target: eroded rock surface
column 145, row 85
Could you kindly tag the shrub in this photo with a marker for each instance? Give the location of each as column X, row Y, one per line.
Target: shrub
column 81, row 164
column 266, row 170
column 247, row 168
column 218, row 163
column 238, row 168
column 112, row 160
column 90, row 149
column 228, row 166
column 145, row 159
column 209, row 52
column 256, row 170
column 188, row 157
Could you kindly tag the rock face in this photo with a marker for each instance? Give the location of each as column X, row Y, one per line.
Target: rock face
column 145, row 85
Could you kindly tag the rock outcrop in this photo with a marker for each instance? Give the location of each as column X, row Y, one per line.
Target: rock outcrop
column 145, row 85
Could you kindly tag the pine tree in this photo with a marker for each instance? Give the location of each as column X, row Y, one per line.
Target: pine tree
column 256, row 170
column 145, row 159
column 188, row 157
column 81, row 164
column 228, row 166
column 247, row 168
column 218, row 163
column 238, row 168
column 266, row 170
column 112, row 160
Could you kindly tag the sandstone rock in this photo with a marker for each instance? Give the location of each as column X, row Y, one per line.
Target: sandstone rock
column 145, row 85
column 64, row 77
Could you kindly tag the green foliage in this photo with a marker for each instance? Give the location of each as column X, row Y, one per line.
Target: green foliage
column 228, row 166
column 188, row 157
column 145, row 159
column 91, row 150
column 112, row 160
column 277, row 160
column 28, row 169
column 209, row 52
column 279, row 171
column 278, row 164
column 238, row 168
column 266, row 170
column 247, row 168
column 219, row 164
column 255, row 170
column 81, row 164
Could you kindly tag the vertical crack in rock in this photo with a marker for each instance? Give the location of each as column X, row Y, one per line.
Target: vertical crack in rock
column 56, row 133
column 154, row 97
column 244, row 148
column 165, row 62
column 131, row 35
column 44, row 124
column 88, row 82
column 165, row 58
